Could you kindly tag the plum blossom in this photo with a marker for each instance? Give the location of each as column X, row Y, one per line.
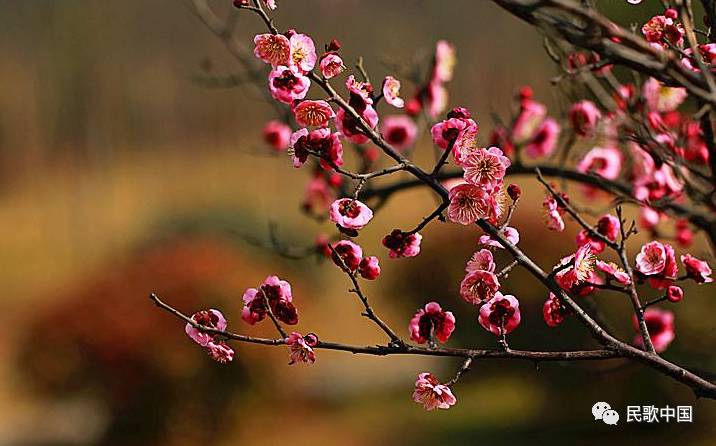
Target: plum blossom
column 431, row 321
column 313, row 113
column 529, row 120
column 431, row 394
column 444, row 61
column 510, row 233
column 208, row 318
column 318, row 195
column 448, row 131
column 350, row 214
column 553, row 311
column 468, row 203
column 584, row 262
column 303, row 52
column 220, row 352
column 277, row 135
column 613, row 271
column 273, row 49
column 287, row 84
column 486, row 167
column 322, row 142
column 674, row 293
column 661, row 30
column 553, row 214
column 391, row 90
column 402, row 244
column 301, row 348
column 696, row 269
column 608, row 226
column 369, row 268
column 603, row 161
column 347, row 253
column 661, row 98
column 481, row 260
column 362, row 103
column 501, row 314
column 399, row 131
column 545, row 139
column 332, row 65
column 584, row 116
column 479, row 286
column 660, row 325
column 651, row 259
column 278, row 294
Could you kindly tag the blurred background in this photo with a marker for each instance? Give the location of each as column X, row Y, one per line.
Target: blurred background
column 120, row 174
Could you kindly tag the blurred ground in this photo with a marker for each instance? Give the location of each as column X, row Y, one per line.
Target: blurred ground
column 119, row 175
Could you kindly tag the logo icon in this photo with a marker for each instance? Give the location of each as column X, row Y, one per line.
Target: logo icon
column 603, row 411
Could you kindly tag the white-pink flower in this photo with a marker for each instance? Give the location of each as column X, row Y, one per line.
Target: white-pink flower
column 391, row 92
column 661, row 98
column 273, row 49
column 510, row 233
column 486, row 167
column 350, row 214
column 481, row 260
column 651, row 260
column 332, row 65
column 313, row 113
column 301, row 348
column 303, row 52
column 431, row 394
column 467, row 204
column 583, row 116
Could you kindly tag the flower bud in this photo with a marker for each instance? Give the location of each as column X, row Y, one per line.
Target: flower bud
column 514, row 191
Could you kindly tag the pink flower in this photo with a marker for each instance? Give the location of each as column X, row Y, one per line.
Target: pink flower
column 510, row 233
column 313, row 113
column 303, row 52
column 431, row 394
column 696, row 269
column 270, row 4
column 321, row 142
column 481, row 260
column 584, row 116
column 431, row 321
column 278, row 294
column 660, row 325
column 273, row 49
column 288, row 84
column 220, row 351
column 318, row 195
column 501, row 314
column 448, row 131
column 651, row 260
column 528, row 122
column 553, row 213
column 661, row 98
column 208, row 318
column 399, row 131
column 350, row 214
column 612, row 271
column 583, row 263
column 674, row 294
column 444, row 61
column 369, row 268
column 360, row 101
column 348, row 253
column 661, row 28
column 479, row 286
column 608, row 226
column 545, row 140
column 402, row 244
column 332, row 65
column 465, row 144
column 391, row 90
column 301, row 348
column 486, row 168
column 553, row 311
column 468, row 203
column 603, row 161
column 277, row 135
